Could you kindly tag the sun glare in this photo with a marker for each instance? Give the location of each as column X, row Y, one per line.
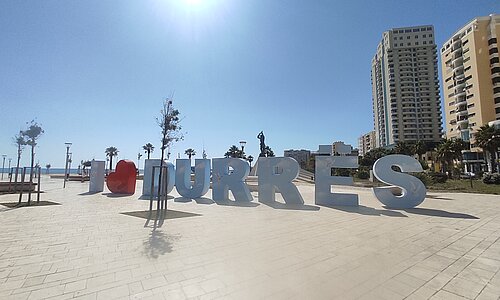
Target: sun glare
column 192, row 2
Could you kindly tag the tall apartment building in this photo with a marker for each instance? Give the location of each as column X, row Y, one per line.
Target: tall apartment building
column 471, row 78
column 405, row 87
column 366, row 142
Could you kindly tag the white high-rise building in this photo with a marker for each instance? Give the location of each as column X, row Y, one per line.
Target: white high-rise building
column 405, row 87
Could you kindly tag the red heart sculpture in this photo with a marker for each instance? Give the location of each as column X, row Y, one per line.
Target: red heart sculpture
column 122, row 180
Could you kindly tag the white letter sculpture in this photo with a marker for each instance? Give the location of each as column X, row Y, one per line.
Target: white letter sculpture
column 201, row 178
column 96, row 176
column 270, row 179
column 148, row 168
column 223, row 181
column 324, row 180
column 414, row 190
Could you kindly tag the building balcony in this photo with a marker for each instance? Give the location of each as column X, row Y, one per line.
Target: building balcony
column 456, row 54
column 457, row 61
column 460, row 101
column 463, row 123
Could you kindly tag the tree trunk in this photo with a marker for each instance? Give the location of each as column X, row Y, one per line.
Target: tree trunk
column 111, row 163
column 31, row 171
column 493, row 160
column 487, row 155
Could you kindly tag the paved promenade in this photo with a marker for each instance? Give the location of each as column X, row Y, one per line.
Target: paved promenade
column 98, row 246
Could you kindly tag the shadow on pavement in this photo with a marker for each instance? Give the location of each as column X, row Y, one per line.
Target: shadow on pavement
column 88, row 193
column 25, row 204
column 236, row 203
column 438, row 197
column 438, row 213
column 368, row 211
column 158, row 243
column 201, row 200
column 114, row 195
column 168, row 214
column 279, row 205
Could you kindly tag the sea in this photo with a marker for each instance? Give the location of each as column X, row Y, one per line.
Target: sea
column 57, row 171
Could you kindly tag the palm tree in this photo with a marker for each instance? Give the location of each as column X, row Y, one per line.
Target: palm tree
column 234, row 151
column 269, row 151
column 458, row 145
column 110, row 152
column 445, row 153
column 420, row 148
column 148, row 148
column 20, row 142
column 85, row 164
column 403, row 147
column 488, row 138
column 48, row 167
column 190, row 152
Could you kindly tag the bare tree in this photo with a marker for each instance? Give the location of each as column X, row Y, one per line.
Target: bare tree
column 169, row 123
column 20, row 142
column 31, row 136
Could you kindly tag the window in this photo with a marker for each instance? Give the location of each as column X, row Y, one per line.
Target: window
column 494, row 60
column 493, row 50
column 497, row 100
column 424, row 36
column 425, row 42
column 492, row 41
column 408, row 37
column 409, row 44
column 497, row 110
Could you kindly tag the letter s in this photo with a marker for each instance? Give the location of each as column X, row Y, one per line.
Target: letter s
column 414, row 190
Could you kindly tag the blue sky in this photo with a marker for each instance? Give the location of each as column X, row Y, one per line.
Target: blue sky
column 95, row 73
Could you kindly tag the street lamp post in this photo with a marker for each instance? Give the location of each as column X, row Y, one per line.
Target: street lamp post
column 10, row 174
column 68, row 145
column 242, row 144
column 3, row 163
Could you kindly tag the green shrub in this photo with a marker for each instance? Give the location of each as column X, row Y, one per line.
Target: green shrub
column 438, row 177
column 362, row 174
column 490, row 178
column 424, row 164
column 424, row 177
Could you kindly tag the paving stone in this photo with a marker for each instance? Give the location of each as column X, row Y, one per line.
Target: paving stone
column 98, row 246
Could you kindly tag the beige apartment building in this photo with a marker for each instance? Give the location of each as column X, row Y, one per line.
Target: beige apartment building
column 405, row 87
column 366, row 142
column 471, row 79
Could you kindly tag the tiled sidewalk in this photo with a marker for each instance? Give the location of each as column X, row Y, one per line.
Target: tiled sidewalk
column 98, row 247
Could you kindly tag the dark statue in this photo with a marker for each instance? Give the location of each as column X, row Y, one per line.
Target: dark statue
column 261, row 138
